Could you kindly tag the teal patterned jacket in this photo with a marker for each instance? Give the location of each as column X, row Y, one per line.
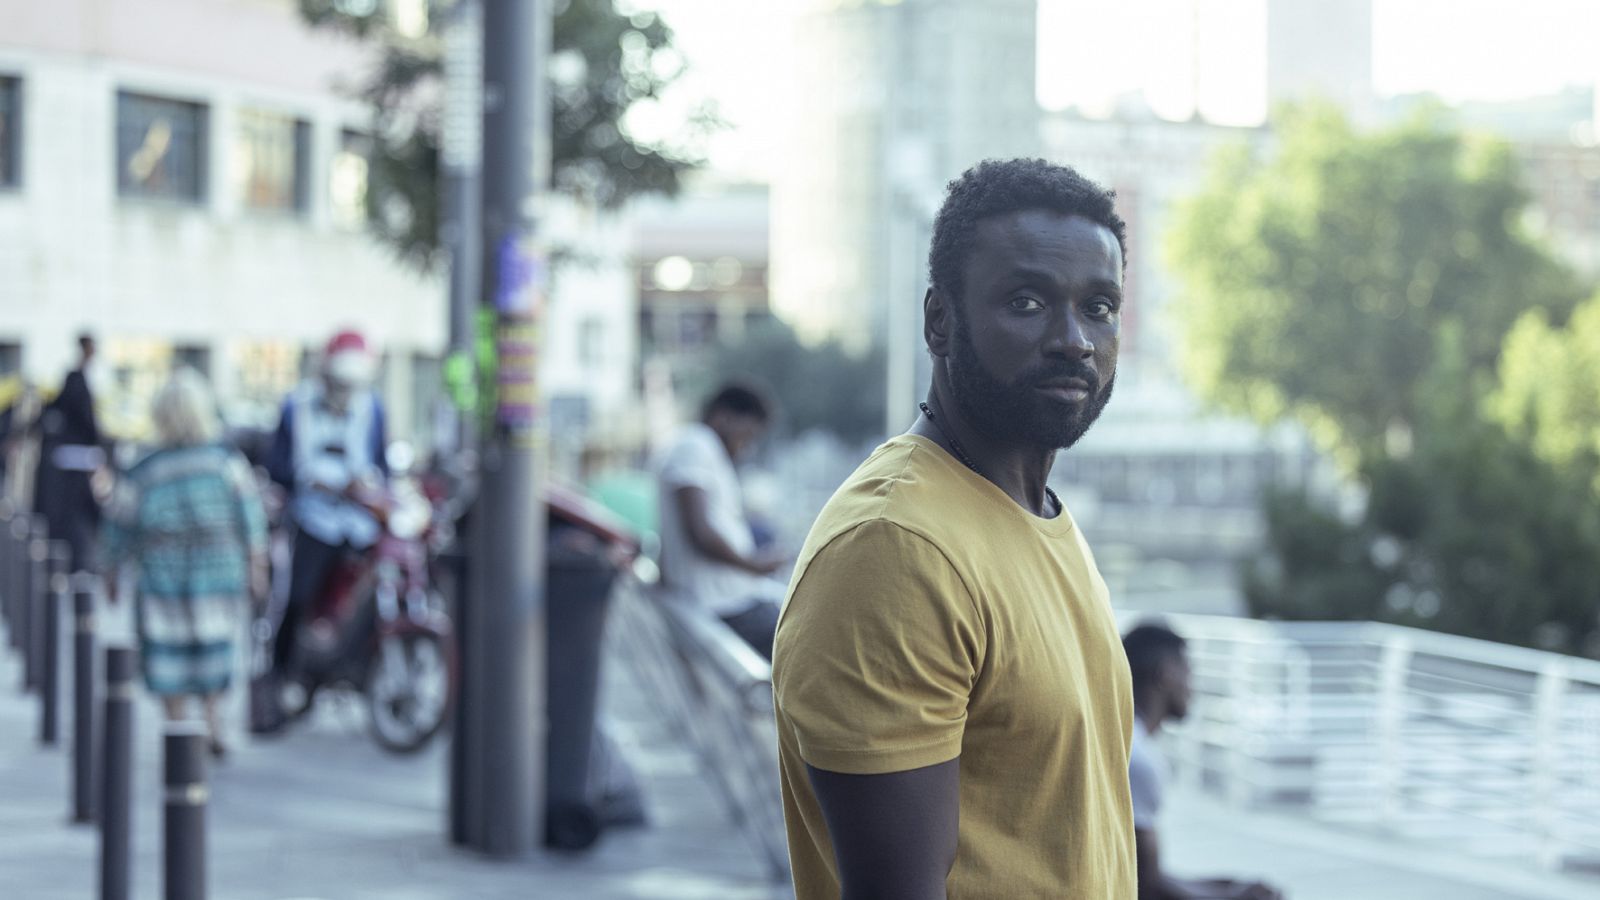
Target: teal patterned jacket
column 189, row 519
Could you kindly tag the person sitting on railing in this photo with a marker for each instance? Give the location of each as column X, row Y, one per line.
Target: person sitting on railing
column 708, row 552
column 1159, row 662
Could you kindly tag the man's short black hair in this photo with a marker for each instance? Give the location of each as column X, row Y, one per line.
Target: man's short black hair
column 995, row 187
column 741, row 399
column 1149, row 645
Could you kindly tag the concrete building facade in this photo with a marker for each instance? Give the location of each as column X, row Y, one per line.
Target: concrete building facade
column 190, row 182
column 1322, row 49
column 897, row 97
column 187, row 180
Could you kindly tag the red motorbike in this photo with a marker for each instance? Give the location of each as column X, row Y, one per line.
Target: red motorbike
column 379, row 626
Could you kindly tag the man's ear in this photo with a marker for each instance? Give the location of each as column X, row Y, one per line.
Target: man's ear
column 937, row 321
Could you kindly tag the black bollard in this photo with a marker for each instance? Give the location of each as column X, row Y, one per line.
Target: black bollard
column 33, row 629
column 184, row 825
column 116, row 784
column 8, row 567
column 83, row 798
column 17, row 581
column 55, row 598
column 21, row 590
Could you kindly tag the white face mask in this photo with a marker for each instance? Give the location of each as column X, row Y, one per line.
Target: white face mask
column 350, row 369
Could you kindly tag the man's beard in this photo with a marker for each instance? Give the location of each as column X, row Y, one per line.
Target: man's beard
column 1017, row 411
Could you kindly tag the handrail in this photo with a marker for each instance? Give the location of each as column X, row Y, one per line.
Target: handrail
column 1397, row 729
column 734, row 660
column 717, row 690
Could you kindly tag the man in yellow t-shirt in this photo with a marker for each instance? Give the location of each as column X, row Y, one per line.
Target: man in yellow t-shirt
column 954, row 708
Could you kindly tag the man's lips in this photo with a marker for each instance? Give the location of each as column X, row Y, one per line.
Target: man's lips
column 1072, row 390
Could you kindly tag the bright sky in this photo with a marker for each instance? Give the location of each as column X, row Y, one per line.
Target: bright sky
column 1460, row 49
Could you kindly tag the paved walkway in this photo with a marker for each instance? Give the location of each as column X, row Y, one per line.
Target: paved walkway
column 322, row 814
column 1203, row 837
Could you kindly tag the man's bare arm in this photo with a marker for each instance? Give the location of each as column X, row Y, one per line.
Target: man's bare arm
column 692, row 506
column 894, row 835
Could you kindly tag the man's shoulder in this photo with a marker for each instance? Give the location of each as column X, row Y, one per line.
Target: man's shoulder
column 904, row 483
column 893, row 496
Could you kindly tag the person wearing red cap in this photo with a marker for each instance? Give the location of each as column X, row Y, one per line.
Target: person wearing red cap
column 330, row 436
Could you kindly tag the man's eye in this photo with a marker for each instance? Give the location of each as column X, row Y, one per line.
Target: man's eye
column 1026, row 303
column 1102, row 308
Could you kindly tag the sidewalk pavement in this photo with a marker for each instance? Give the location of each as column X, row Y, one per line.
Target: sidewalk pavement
column 1203, row 837
column 323, row 814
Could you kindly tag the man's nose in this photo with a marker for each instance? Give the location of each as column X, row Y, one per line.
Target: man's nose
column 1069, row 337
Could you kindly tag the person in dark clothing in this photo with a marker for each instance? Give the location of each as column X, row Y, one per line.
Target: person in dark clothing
column 69, row 455
column 11, row 397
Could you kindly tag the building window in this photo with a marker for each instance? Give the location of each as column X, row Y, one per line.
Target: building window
column 270, row 153
column 193, row 356
column 591, row 339
column 347, row 180
column 10, row 131
column 161, row 148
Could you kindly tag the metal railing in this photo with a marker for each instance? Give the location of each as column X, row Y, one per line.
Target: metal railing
column 716, row 692
column 1488, row 749
column 1492, row 749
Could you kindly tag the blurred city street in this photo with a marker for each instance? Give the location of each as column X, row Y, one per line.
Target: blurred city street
column 425, row 363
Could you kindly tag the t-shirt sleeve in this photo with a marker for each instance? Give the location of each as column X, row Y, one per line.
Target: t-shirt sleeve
column 1144, row 784
column 877, row 652
column 689, row 462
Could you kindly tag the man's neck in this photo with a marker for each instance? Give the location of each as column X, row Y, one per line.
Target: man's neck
column 1148, row 717
column 1021, row 471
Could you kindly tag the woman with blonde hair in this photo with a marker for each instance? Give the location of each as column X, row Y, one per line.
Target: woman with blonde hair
column 189, row 519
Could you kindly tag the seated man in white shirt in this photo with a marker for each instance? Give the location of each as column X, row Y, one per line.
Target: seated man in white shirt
column 1160, row 665
column 708, row 553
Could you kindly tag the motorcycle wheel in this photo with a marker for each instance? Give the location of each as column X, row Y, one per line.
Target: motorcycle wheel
column 408, row 691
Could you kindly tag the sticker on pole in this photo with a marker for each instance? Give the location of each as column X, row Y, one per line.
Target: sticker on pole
column 520, row 278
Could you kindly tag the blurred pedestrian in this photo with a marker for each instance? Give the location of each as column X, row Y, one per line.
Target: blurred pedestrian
column 11, row 399
column 188, row 518
column 330, row 439
column 70, row 454
column 953, row 706
column 708, row 549
column 1159, row 661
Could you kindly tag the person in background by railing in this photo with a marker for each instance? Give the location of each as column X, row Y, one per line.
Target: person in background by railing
column 708, row 551
column 189, row 518
column 1159, row 661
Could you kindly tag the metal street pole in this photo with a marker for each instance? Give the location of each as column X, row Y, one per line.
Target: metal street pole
column 461, row 156
column 461, row 200
column 504, row 644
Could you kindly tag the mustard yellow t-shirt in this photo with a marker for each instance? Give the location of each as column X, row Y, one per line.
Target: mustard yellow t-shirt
column 931, row 617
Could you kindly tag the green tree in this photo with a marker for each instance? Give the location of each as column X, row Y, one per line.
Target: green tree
column 1314, row 279
column 1549, row 393
column 1471, row 533
column 1379, row 286
column 606, row 68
